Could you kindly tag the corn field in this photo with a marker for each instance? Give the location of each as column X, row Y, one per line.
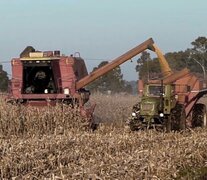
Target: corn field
column 53, row 143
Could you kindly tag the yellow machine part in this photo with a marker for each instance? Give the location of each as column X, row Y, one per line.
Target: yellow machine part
column 165, row 68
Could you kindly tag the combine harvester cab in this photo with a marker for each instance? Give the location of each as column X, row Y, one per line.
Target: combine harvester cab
column 39, row 78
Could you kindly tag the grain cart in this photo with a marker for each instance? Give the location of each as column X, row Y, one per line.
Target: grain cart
column 166, row 103
column 47, row 78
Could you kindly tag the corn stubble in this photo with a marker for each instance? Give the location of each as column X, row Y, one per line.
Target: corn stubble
column 53, row 143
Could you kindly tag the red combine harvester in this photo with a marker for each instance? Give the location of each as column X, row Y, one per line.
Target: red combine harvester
column 47, row 78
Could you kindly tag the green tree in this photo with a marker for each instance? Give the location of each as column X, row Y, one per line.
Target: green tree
column 177, row 60
column 112, row 81
column 198, row 55
column 3, row 80
column 145, row 57
column 128, row 87
column 147, row 67
column 194, row 58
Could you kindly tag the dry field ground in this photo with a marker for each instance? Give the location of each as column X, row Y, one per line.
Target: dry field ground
column 52, row 144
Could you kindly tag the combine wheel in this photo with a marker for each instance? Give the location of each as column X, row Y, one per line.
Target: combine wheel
column 199, row 118
column 178, row 118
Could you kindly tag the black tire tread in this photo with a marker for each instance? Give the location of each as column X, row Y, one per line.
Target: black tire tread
column 198, row 113
column 178, row 118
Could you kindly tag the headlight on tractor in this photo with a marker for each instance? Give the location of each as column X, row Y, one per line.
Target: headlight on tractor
column 134, row 114
column 161, row 115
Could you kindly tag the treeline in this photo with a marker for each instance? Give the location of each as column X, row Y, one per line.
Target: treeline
column 194, row 58
column 3, row 80
column 112, row 82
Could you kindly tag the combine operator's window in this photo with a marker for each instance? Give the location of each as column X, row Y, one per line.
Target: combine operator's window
column 38, row 77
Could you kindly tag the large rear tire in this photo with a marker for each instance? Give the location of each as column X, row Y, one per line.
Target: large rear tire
column 199, row 117
column 178, row 118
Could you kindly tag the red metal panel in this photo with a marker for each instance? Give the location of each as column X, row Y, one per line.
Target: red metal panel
column 187, row 89
column 16, row 82
column 191, row 96
column 56, row 73
column 67, row 75
column 40, row 103
column 140, row 87
column 43, row 96
column 176, row 76
column 181, row 84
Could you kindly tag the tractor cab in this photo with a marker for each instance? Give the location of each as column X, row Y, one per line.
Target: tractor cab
column 155, row 105
column 161, row 98
column 154, row 90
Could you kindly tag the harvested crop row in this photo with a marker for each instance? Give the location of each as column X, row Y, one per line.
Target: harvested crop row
column 53, row 145
column 108, row 153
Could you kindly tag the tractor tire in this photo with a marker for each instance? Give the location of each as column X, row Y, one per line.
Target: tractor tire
column 199, row 117
column 178, row 118
column 132, row 126
column 168, row 124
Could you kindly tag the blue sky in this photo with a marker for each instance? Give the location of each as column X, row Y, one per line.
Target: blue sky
column 99, row 30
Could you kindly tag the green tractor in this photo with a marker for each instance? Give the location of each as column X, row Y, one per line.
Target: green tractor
column 158, row 108
column 168, row 102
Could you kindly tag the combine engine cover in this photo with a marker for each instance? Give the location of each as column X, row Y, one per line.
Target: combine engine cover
column 39, row 78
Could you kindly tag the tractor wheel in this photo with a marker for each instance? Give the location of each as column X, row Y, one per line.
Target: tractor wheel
column 135, row 124
column 199, row 118
column 168, row 124
column 132, row 125
column 178, row 118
